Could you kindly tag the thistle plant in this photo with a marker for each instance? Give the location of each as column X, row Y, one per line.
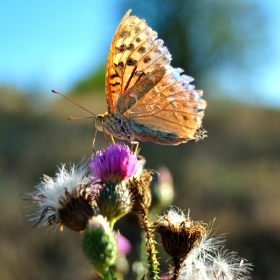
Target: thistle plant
column 92, row 196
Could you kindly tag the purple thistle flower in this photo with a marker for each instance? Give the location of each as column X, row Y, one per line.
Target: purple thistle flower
column 124, row 246
column 115, row 164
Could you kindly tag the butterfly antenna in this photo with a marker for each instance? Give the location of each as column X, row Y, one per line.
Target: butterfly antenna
column 72, row 101
column 77, row 118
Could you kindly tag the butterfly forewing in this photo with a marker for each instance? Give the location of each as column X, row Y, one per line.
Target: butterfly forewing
column 134, row 52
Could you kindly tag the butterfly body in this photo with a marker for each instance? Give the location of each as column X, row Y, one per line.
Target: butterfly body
column 116, row 126
column 147, row 99
column 129, row 130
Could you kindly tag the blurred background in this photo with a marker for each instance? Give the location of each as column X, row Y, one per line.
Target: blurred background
column 231, row 48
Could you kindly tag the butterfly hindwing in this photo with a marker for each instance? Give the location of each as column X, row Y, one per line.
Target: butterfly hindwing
column 172, row 106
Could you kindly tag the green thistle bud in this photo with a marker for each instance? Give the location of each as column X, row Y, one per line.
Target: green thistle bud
column 114, row 201
column 99, row 244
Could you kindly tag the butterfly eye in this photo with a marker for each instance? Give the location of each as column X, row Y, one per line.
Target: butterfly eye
column 99, row 120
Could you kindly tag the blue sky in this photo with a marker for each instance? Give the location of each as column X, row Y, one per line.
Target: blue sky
column 53, row 44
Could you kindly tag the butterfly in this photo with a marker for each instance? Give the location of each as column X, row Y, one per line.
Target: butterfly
column 147, row 99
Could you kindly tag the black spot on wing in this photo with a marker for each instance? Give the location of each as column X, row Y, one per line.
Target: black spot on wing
column 142, row 50
column 147, row 59
column 120, row 65
column 124, row 33
column 114, row 76
column 131, row 62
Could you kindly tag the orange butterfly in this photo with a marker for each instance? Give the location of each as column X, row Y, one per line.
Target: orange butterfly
column 147, row 99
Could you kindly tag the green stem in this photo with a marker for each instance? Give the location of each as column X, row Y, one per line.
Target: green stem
column 107, row 274
column 111, row 223
column 150, row 245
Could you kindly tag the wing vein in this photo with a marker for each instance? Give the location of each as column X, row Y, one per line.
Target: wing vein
column 168, row 121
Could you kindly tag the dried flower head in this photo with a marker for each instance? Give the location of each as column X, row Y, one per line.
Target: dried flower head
column 207, row 257
column 210, row 260
column 115, row 164
column 179, row 234
column 139, row 188
column 65, row 199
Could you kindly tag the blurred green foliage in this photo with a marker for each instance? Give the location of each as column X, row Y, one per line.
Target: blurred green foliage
column 96, row 81
column 233, row 175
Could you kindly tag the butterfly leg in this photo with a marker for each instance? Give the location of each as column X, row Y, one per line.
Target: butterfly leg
column 136, row 143
column 93, row 140
column 106, row 139
column 113, row 140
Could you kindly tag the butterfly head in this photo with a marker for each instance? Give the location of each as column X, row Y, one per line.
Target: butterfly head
column 99, row 121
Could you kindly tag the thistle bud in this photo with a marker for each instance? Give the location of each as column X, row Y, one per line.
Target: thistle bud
column 99, row 244
column 114, row 201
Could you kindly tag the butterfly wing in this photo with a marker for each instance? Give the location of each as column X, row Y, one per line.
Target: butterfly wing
column 139, row 89
column 171, row 106
column 133, row 54
column 159, row 103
